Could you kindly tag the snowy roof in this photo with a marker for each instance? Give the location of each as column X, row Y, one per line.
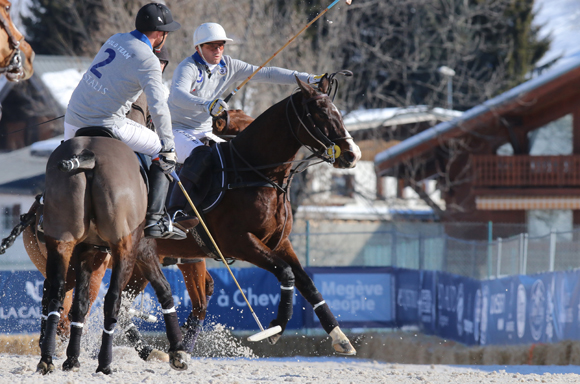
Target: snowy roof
column 374, row 118
column 491, row 106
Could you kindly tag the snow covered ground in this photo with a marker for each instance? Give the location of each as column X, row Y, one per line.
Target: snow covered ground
column 128, row 369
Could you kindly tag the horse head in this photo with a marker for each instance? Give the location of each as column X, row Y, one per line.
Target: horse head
column 229, row 123
column 13, row 47
column 324, row 133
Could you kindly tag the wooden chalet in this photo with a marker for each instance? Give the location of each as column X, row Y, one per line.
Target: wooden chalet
column 481, row 185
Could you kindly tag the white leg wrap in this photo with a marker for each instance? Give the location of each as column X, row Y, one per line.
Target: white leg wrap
column 75, row 324
column 54, row 313
column 109, row 332
column 168, row 311
column 318, row 305
column 291, row 288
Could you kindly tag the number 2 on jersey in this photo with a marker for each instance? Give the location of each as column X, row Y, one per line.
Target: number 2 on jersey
column 103, row 63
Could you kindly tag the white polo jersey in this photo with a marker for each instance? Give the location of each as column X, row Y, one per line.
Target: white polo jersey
column 124, row 67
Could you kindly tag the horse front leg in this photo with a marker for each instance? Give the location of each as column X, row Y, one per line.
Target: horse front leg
column 306, row 287
column 58, row 258
column 199, row 284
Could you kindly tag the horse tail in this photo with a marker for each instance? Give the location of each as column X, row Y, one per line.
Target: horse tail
column 83, row 161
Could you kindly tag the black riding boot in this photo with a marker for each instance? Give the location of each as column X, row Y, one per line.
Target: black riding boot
column 194, row 176
column 157, row 224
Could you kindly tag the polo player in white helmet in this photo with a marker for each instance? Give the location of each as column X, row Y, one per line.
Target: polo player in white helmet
column 196, row 89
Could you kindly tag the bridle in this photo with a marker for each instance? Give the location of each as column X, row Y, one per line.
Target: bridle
column 328, row 150
column 14, row 66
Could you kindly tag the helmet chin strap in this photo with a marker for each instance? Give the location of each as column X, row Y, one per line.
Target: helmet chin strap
column 158, row 46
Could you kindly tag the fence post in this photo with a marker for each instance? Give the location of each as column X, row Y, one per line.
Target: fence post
column 525, row 264
column 552, row 250
column 489, row 245
column 498, row 257
column 521, row 252
column 307, row 253
column 421, row 252
column 394, row 248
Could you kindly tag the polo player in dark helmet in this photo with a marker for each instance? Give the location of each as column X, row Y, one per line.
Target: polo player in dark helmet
column 125, row 67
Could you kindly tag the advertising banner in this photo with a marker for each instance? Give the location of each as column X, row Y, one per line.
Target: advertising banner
column 358, row 297
column 458, row 308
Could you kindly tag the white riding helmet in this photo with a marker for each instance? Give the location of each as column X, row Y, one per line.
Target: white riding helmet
column 208, row 32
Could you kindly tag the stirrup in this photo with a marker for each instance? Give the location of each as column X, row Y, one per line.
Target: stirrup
column 168, row 231
column 184, row 222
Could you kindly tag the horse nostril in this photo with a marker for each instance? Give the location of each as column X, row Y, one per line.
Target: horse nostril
column 348, row 156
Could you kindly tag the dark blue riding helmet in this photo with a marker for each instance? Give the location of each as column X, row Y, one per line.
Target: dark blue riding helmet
column 155, row 17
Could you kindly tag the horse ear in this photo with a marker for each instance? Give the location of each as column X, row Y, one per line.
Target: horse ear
column 219, row 122
column 306, row 89
column 324, row 84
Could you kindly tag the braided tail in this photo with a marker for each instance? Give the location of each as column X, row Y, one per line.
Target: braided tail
column 83, row 161
column 25, row 221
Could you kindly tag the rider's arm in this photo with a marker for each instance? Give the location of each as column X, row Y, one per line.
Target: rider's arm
column 274, row 75
column 150, row 79
column 184, row 79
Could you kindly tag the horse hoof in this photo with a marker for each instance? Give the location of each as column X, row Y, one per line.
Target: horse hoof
column 45, row 368
column 178, row 360
column 71, row 364
column 105, row 370
column 344, row 348
column 157, row 355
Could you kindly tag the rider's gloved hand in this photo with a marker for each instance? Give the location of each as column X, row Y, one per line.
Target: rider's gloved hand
column 215, row 107
column 168, row 161
column 315, row 79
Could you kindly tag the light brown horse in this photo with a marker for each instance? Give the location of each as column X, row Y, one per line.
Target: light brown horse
column 12, row 47
column 198, row 281
column 94, row 198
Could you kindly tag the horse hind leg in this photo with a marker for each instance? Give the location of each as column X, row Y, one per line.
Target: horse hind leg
column 58, row 257
column 81, row 304
column 177, row 356
column 123, row 263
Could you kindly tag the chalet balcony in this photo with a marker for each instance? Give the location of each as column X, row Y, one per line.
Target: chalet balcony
column 529, row 172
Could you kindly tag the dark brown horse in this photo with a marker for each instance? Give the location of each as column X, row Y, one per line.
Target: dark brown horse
column 13, row 47
column 252, row 223
column 95, row 198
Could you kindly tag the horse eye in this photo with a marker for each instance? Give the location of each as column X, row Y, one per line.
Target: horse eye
column 7, row 8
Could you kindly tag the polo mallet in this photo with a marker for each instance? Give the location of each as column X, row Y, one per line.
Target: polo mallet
column 348, row 2
column 263, row 333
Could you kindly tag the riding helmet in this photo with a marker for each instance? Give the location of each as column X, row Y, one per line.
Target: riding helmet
column 208, row 32
column 155, row 17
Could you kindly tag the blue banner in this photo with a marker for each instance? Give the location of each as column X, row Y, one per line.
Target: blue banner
column 21, row 301
column 358, row 297
column 458, row 308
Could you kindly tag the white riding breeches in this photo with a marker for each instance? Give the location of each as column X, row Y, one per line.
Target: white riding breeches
column 186, row 140
column 138, row 137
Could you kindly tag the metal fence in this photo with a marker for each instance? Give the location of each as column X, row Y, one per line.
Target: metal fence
column 478, row 259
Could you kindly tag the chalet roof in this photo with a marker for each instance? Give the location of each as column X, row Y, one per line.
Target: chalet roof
column 383, row 117
column 533, row 103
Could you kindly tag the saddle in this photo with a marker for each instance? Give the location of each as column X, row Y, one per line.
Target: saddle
column 144, row 161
